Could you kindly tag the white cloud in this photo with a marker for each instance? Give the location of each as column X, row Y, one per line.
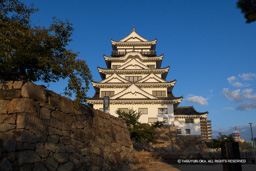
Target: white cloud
column 197, row 99
column 239, row 84
column 247, row 93
column 231, row 79
column 233, row 95
column 229, row 108
column 247, row 76
column 247, row 106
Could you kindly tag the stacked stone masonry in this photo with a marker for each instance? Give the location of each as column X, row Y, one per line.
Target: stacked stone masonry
column 41, row 130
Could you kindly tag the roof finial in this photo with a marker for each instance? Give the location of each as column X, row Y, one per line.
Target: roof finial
column 133, row 29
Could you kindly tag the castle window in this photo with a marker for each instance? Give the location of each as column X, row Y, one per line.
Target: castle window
column 178, row 131
column 151, row 66
column 133, row 78
column 165, row 120
column 187, row 131
column 115, row 66
column 189, row 120
column 162, row 111
column 159, row 93
column 152, row 120
column 143, row 110
column 107, row 93
column 123, row 110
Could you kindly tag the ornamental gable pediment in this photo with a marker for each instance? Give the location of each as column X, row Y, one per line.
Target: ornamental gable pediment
column 152, row 78
column 133, row 36
column 133, row 92
column 133, row 64
column 114, row 78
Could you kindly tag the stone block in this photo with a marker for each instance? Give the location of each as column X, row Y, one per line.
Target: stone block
column 54, row 131
column 23, row 105
column 61, row 157
column 30, row 122
column 4, row 105
column 28, row 146
column 9, row 145
column 85, row 151
column 34, row 91
column 39, row 167
column 24, row 136
column 9, row 94
column 95, row 150
column 46, row 105
column 6, row 127
column 11, row 156
column 5, row 164
column 6, row 85
column 50, row 146
column 62, row 117
column 65, row 140
column 79, row 135
column 28, row 156
column 45, row 113
column 60, row 148
column 17, row 84
column 26, row 167
column 53, row 139
column 69, row 166
column 51, row 164
column 11, row 119
column 66, row 105
column 70, row 148
column 42, row 153
column 3, row 117
column 59, row 125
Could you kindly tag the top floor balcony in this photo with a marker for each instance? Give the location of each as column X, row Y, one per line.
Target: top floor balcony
column 116, row 53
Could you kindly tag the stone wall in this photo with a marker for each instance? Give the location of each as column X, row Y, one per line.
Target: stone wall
column 41, row 130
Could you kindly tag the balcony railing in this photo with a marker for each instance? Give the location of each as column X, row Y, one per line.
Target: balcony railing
column 116, row 53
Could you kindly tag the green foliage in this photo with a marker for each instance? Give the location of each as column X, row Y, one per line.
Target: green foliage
column 34, row 53
column 248, row 7
column 222, row 139
column 138, row 131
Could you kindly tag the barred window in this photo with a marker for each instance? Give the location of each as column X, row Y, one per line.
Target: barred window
column 151, row 66
column 115, row 66
column 143, row 110
column 162, row 111
column 123, row 110
column 187, row 131
column 159, row 93
column 152, row 120
column 178, row 131
column 133, row 78
column 107, row 93
column 189, row 120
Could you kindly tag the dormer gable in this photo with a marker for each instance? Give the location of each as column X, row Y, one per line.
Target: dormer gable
column 133, row 92
column 114, row 78
column 152, row 78
column 133, row 37
column 133, row 64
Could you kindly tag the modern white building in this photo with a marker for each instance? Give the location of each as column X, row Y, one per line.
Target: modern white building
column 134, row 79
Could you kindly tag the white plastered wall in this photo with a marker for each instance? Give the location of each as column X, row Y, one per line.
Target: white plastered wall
column 195, row 128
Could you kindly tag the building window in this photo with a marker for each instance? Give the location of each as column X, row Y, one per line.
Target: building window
column 133, row 78
column 151, row 66
column 107, row 93
column 178, row 131
column 143, row 110
column 123, row 110
column 165, row 120
column 187, row 131
column 159, row 93
column 162, row 111
column 115, row 66
column 152, row 120
column 189, row 120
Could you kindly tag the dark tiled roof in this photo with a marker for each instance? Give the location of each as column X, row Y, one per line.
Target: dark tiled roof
column 187, row 110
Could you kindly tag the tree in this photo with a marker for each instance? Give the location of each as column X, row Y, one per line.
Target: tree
column 138, row 131
column 248, row 7
column 216, row 143
column 33, row 53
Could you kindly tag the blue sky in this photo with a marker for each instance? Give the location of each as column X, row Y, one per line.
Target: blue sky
column 207, row 44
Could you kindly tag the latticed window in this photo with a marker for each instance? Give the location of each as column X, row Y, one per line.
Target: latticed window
column 152, row 120
column 123, row 110
column 151, row 66
column 189, row 120
column 133, row 78
column 178, row 131
column 107, row 93
column 115, row 66
column 187, row 131
column 159, row 93
column 143, row 110
column 162, row 111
